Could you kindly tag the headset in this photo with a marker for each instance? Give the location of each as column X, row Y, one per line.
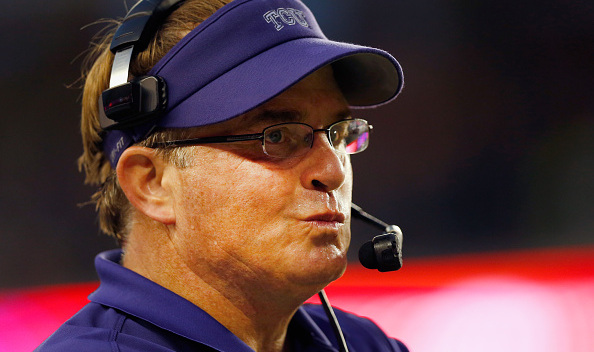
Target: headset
column 131, row 103
column 383, row 252
column 128, row 103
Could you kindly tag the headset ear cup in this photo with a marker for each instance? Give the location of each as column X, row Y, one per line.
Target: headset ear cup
column 133, row 103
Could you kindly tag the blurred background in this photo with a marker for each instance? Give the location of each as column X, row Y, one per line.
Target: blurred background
column 488, row 148
column 486, row 161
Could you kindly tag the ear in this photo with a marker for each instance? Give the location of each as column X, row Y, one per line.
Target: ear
column 144, row 176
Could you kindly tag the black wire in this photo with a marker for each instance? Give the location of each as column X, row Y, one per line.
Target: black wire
column 342, row 346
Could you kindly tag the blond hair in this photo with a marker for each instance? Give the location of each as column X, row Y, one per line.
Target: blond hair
column 112, row 205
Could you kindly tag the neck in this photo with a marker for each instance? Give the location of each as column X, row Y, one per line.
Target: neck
column 253, row 310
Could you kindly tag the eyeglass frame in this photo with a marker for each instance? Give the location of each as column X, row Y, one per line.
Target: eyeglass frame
column 257, row 136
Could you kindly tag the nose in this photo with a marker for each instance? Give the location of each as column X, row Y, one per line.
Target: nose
column 325, row 169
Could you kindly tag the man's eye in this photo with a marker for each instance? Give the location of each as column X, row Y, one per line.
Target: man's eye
column 275, row 136
column 337, row 135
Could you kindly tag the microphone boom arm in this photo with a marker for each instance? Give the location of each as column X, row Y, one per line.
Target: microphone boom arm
column 360, row 214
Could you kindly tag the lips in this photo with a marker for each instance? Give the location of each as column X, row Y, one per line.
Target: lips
column 328, row 217
column 327, row 220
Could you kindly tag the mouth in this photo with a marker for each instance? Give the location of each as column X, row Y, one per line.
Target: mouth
column 328, row 221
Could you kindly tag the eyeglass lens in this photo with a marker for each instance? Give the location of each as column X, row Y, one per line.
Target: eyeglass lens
column 295, row 139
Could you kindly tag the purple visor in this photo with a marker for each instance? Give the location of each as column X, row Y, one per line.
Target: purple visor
column 247, row 53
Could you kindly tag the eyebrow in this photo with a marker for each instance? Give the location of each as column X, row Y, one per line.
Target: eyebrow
column 281, row 116
column 275, row 116
column 344, row 114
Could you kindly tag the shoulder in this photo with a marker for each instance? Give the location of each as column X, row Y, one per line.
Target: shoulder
column 88, row 329
column 361, row 333
column 99, row 328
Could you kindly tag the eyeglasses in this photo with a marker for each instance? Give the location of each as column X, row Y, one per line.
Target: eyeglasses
column 293, row 139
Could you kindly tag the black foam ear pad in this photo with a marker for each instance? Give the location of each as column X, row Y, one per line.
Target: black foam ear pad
column 367, row 255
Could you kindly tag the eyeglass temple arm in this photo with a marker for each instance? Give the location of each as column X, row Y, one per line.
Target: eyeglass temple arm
column 211, row 140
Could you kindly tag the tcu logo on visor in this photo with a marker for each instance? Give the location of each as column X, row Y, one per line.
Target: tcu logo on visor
column 287, row 16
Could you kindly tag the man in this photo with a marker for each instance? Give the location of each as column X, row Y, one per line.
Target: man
column 232, row 202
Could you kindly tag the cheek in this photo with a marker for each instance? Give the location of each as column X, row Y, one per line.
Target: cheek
column 345, row 192
column 226, row 187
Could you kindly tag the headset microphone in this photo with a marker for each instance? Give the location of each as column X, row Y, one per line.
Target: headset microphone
column 383, row 252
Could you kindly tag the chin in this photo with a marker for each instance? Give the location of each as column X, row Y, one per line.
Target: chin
column 321, row 267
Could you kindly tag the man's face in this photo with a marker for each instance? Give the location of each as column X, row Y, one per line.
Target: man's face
column 247, row 218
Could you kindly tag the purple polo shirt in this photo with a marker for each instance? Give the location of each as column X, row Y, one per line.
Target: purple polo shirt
column 131, row 313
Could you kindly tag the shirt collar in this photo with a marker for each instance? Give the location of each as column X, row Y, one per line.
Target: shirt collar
column 136, row 295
